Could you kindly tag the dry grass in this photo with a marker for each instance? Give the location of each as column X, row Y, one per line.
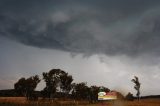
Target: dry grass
column 21, row 101
column 143, row 102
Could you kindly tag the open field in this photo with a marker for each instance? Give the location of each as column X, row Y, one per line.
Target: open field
column 21, row 101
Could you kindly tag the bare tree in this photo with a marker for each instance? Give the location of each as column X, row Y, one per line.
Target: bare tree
column 137, row 86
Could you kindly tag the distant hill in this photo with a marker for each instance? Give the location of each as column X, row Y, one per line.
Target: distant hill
column 150, row 96
column 8, row 93
column 12, row 93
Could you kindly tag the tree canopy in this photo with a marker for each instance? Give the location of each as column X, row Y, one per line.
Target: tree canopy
column 26, row 87
column 58, row 83
column 56, row 79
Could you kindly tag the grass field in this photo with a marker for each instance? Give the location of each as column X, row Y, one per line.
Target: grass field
column 21, row 101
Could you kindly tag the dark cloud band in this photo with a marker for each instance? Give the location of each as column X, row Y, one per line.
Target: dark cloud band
column 89, row 27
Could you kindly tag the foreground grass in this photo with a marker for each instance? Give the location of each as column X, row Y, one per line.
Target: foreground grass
column 21, row 101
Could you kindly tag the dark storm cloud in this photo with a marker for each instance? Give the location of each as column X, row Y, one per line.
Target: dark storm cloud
column 129, row 27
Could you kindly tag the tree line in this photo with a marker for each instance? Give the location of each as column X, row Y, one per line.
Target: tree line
column 58, row 84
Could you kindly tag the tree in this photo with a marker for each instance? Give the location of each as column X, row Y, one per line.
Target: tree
column 137, row 86
column 94, row 93
column 26, row 87
column 56, row 78
column 80, row 91
column 65, row 83
column 51, row 79
column 20, row 87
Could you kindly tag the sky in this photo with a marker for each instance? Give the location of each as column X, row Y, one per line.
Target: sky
column 101, row 42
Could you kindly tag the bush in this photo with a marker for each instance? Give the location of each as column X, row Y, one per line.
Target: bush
column 129, row 97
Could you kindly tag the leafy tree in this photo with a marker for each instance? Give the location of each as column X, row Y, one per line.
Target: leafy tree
column 51, row 79
column 137, row 86
column 27, row 86
column 80, row 91
column 56, row 78
column 94, row 93
column 65, row 82
column 20, row 87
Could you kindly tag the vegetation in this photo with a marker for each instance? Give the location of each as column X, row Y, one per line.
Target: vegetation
column 137, row 86
column 129, row 97
column 55, row 79
column 59, row 84
column 26, row 87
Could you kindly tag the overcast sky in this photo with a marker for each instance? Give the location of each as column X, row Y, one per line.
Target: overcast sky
column 101, row 42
